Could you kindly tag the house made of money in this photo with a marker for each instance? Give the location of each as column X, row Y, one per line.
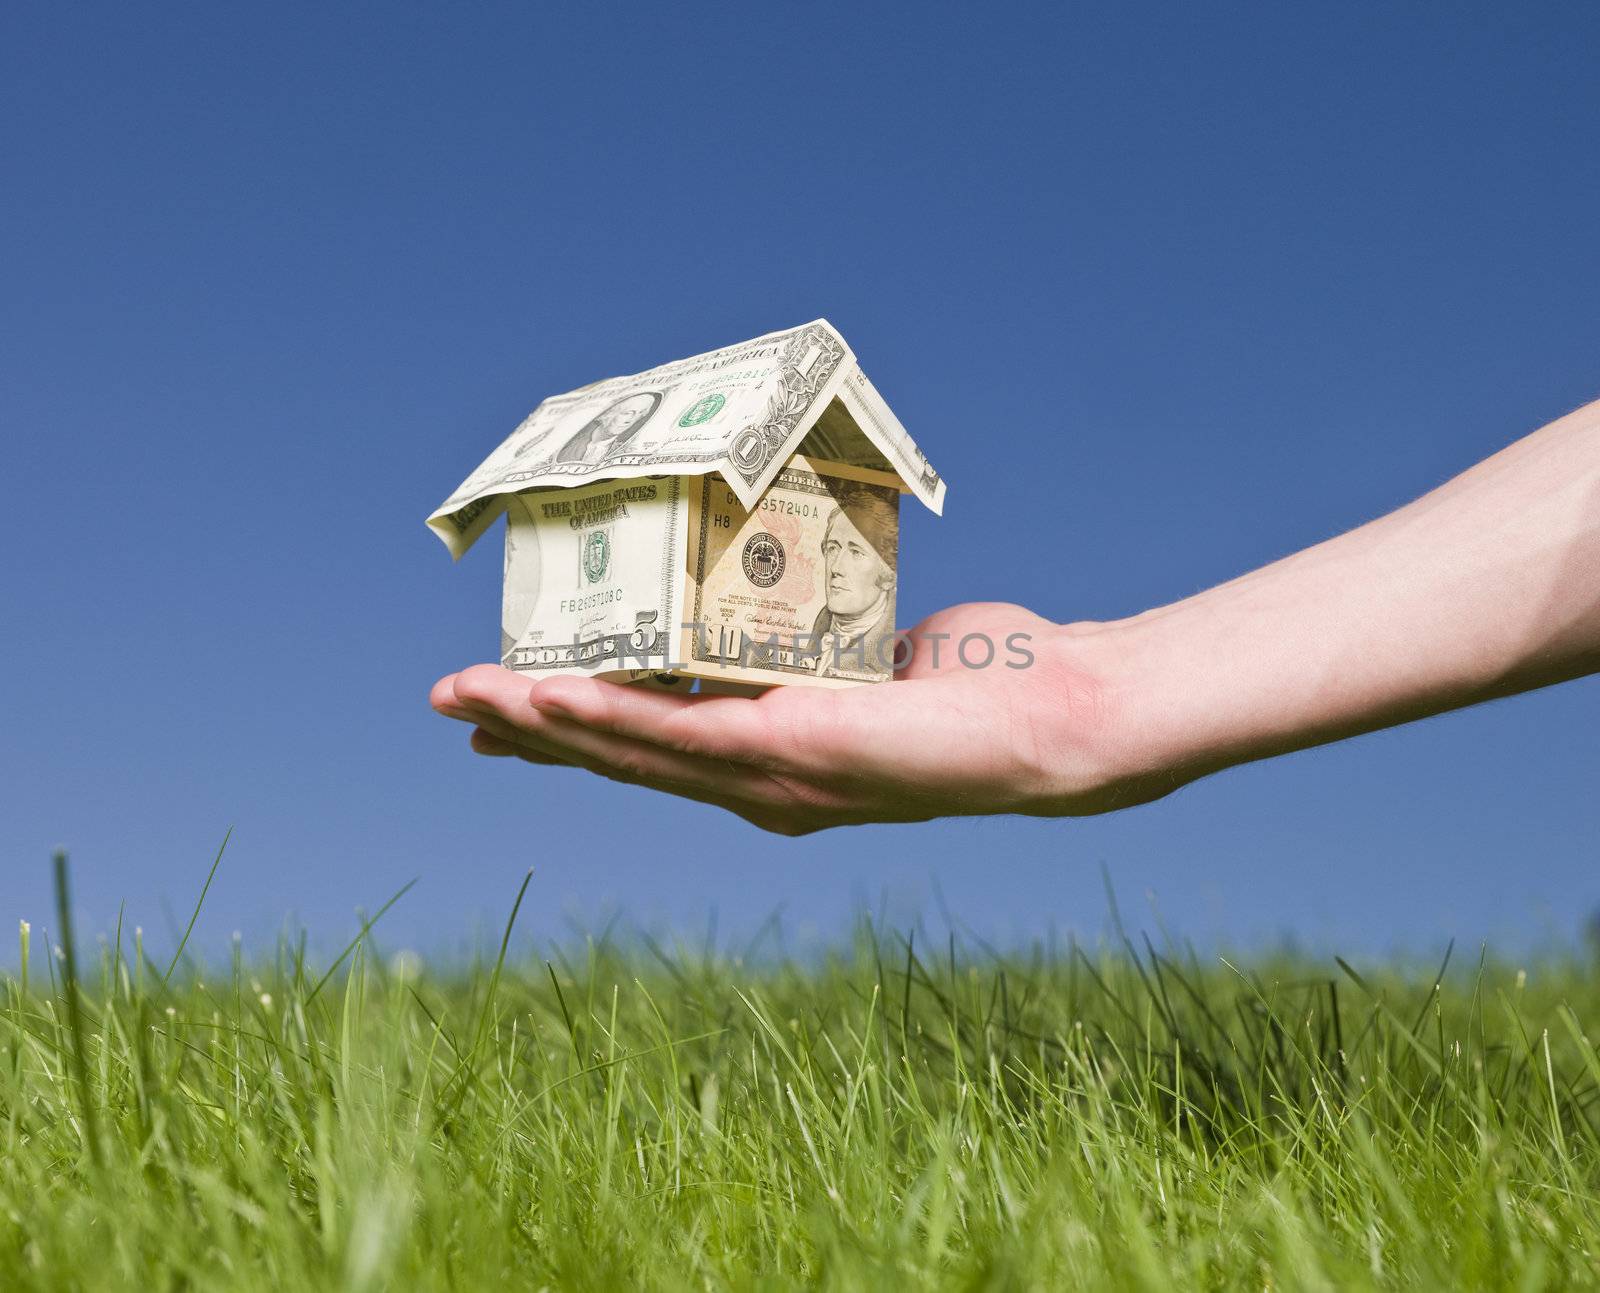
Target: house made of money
column 732, row 517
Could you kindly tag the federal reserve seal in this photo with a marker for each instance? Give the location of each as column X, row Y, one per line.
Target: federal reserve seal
column 763, row 559
column 703, row 410
column 596, row 555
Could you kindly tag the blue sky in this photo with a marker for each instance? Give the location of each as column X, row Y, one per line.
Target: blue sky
column 1166, row 292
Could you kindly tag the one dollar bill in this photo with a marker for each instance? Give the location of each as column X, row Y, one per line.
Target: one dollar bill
column 740, row 411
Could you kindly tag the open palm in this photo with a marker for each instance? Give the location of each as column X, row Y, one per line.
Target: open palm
column 943, row 738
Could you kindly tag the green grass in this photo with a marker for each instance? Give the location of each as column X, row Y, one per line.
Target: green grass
column 893, row 1116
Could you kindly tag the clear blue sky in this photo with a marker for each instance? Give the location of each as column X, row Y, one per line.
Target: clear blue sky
column 1165, row 291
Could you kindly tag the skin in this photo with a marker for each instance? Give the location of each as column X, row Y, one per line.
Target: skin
column 1485, row 587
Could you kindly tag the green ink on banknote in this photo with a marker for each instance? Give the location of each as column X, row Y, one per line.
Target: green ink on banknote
column 703, row 410
column 596, row 556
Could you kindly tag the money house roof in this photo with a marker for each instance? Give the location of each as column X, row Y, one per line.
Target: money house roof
column 742, row 410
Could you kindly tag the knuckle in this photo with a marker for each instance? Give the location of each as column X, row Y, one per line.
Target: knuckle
column 805, row 731
column 477, row 684
column 630, row 765
column 808, row 795
column 686, row 732
column 743, row 735
column 548, row 689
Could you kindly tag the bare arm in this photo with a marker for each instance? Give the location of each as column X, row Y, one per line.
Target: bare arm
column 1487, row 586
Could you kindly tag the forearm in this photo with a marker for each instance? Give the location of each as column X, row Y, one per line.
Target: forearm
column 1487, row 586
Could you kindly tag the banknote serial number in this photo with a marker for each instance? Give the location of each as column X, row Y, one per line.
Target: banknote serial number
column 605, row 597
column 788, row 506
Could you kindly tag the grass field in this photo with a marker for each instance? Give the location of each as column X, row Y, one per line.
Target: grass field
column 895, row 1116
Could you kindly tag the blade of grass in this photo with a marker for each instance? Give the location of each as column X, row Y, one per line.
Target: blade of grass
column 69, row 972
column 356, row 941
column 195, row 914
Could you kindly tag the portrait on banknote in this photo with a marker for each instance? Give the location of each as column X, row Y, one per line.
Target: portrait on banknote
column 731, row 516
column 611, row 428
column 855, row 627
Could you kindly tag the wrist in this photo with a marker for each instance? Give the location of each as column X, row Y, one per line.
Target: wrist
column 1128, row 714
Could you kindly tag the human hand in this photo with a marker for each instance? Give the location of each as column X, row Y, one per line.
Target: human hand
column 942, row 739
column 1481, row 589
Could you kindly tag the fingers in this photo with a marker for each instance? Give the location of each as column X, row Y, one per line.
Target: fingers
column 485, row 685
column 819, row 745
column 828, row 753
column 710, row 727
column 740, row 790
column 485, row 742
column 943, row 738
column 498, row 703
column 491, row 735
column 716, row 727
column 800, row 733
column 792, row 760
column 640, row 762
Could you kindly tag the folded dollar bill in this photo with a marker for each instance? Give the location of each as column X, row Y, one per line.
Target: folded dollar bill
column 730, row 516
